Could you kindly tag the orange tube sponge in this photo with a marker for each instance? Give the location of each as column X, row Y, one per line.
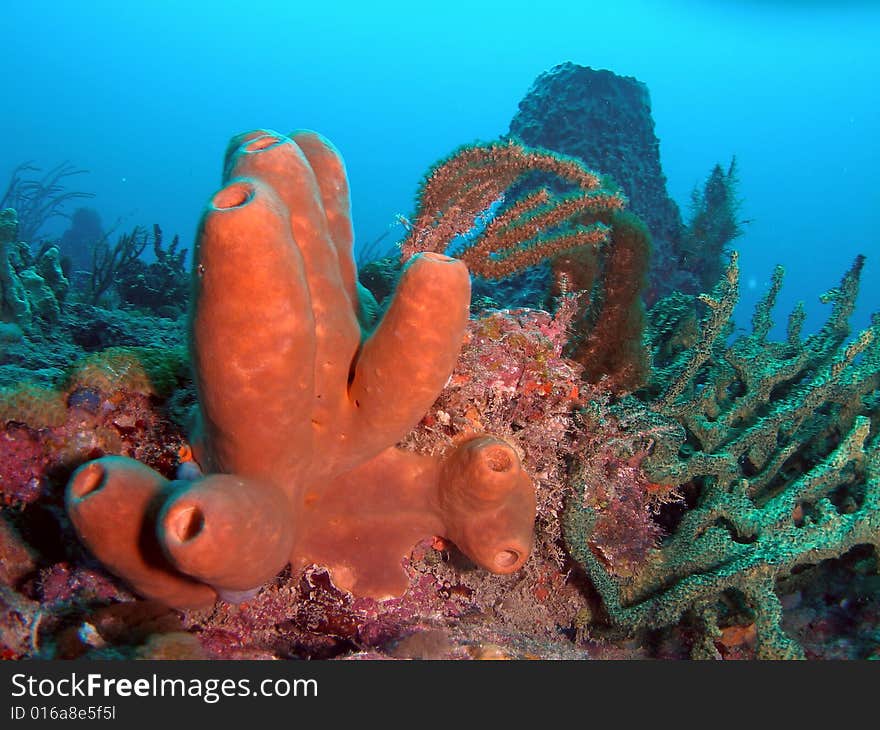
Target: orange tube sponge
column 231, row 533
column 488, row 504
column 301, row 412
column 112, row 503
column 329, row 170
column 252, row 379
column 404, row 365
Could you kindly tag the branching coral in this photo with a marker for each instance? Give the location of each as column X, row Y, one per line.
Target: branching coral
column 108, row 262
column 523, row 232
column 464, row 195
column 160, row 286
column 301, row 410
column 776, row 436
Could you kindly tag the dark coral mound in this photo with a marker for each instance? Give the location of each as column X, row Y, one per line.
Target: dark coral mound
column 605, row 120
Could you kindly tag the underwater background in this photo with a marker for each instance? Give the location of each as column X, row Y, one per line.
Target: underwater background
column 146, row 95
column 635, row 413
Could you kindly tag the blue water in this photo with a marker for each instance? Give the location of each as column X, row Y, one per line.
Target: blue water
column 146, row 94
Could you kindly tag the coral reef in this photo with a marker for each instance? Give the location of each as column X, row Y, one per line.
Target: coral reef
column 300, row 418
column 42, row 355
column 512, row 379
column 31, row 287
column 44, row 323
column 451, row 609
column 771, row 445
column 162, row 286
column 595, row 482
column 102, row 406
column 120, row 276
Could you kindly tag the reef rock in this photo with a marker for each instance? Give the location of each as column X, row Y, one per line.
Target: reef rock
column 605, row 120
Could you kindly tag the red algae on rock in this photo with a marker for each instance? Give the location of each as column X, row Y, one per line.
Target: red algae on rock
column 107, row 405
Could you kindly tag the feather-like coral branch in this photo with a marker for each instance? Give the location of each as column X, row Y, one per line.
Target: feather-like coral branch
column 535, row 226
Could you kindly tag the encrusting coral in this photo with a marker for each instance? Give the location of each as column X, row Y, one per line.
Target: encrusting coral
column 301, row 407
